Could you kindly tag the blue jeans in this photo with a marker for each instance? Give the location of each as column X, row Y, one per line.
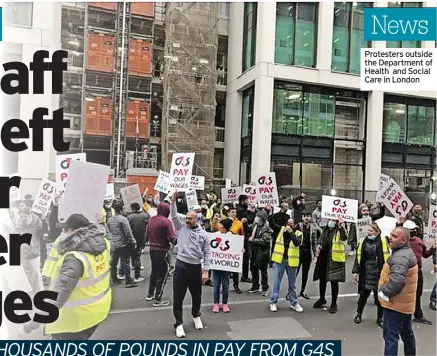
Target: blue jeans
column 397, row 324
column 221, row 279
column 278, row 273
column 433, row 294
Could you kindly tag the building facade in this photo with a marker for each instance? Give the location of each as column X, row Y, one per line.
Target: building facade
column 294, row 105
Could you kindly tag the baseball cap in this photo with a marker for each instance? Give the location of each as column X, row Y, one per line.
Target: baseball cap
column 410, row 225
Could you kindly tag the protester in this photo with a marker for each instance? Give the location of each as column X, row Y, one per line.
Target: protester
column 317, row 216
column 298, row 204
column 193, row 248
column 416, row 217
column 53, row 223
column 247, row 217
column 433, row 297
column 397, row 294
column 107, row 210
column 237, row 228
column 276, row 222
column 363, row 212
column 159, row 236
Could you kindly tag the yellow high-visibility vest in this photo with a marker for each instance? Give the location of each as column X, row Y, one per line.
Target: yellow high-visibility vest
column 385, row 249
column 210, row 211
column 338, row 252
column 89, row 303
column 293, row 252
column 52, row 259
column 105, row 218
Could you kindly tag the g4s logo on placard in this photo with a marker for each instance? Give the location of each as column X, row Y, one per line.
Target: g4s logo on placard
column 232, row 191
column 180, row 161
column 434, row 214
column 250, row 191
column 340, row 203
column 222, row 244
column 264, row 181
column 48, row 187
column 194, row 179
column 403, row 206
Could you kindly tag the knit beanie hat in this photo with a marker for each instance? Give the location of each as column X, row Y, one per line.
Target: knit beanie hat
column 262, row 215
column 76, row 221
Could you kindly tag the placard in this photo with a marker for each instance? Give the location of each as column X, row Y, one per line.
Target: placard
column 14, row 192
column 44, row 198
column 162, row 184
column 250, row 191
column 230, row 195
column 432, row 222
column 85, row 191
column 228, row 183
column 197, row 183
column 62, row 169
column 394, row 198
column 110, row 194
column 180, row 172
column 226, row 252
column 383, row 180
column 335, row 207
column 363, row 227
column 191, row 198
column 266, row 190
column 130, row 195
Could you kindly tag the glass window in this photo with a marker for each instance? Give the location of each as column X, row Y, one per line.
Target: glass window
column 249, row 35
column 394, row 118
column 349, row 119
column 403, row 44
column 287, row 111
column 319, row 114
column 19, row 13
column 421, row 122
column 295, row 41
column 247, row 113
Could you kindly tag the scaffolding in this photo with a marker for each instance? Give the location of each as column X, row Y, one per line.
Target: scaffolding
column 190, row 78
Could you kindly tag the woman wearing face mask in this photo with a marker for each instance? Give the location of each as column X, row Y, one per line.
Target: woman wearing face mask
column 372, row 253
column 331, row 261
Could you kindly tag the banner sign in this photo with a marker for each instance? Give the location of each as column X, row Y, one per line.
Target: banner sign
column 226, row 252
column 383, row 180
column 14, row 192
column 110, row 194
column 130, row 195
column 44, row 198
column 180, row 172
column 250, row 191
column 230, row 195
column 62, row 168
column 162, row 184
column 335, row 207
column 363, row 227
column 191, row 198
column 432, row 222
column 394, row 198
column 197, row 183
column 266, row 190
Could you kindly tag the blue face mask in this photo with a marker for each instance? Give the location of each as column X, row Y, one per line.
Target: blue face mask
column 331, row 224
column 65, row 236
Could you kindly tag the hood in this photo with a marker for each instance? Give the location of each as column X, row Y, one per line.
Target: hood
column 265, row 228
column 90, row 239
column 164, row 210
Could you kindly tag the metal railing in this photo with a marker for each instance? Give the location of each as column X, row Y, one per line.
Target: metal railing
column 220, row 134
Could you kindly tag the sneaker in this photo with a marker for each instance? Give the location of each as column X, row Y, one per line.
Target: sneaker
column 380, row 323
column 303, row 295
column 216, row 308
column 198, row 325
column 432, row 305
column 237, row 290
column 320, row 304
column 265, row 293
column 139, row 279
column 116, row 282
column 142, row 268
column 333, row 309
column 226, row 308
column 246, row 280
column 253, row 290
column 273, row 308
column 149, row 298
column 352, row 253
column 297, row 308
column 132, row 285
column 121, row 277
column 180, row 332
column 423, row 320
column 161, row 303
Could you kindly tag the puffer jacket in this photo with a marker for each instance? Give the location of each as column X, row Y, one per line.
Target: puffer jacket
column 121, row 232
column 260, row 245
column 399, row 280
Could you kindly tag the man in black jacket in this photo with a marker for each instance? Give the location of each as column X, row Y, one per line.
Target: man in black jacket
column 298, row 204
column 246, row 217
column 277, row 221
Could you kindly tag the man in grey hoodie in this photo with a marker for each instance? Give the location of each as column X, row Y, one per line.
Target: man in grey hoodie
column 193, row 248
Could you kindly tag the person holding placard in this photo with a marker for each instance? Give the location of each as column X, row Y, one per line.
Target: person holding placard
column 416, row 217
column 107, row 211
column 331, row 262
column 363, row 212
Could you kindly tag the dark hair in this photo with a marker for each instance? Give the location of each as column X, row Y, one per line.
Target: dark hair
column 318, row 201
column 242, row 197
column 135, row 206
column 76, row 221
column 118, row 207
column 227, row 224
column 306, row 213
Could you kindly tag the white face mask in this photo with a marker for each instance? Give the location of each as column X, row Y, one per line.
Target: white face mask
column 108, row 206
column 371, row 237
column 65, row 236
column 331, row 224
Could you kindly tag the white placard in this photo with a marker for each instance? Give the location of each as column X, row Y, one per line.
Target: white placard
column 191, row 197
column 228, row 183
column 14, row 192
column 230, row 195
column 109, row 193
column 394, row 198
column 386, row 225
column 44, row 198
column 432, row 222
column 362, row 227
column 85, row 191
column 130, row 195
column 180, row 172
column 383, row 180
column 250, row 191
column 335, row 207
column 266, row 190
column 63, row 163
column 197, row 183
column 226, row 252
column 162, row 184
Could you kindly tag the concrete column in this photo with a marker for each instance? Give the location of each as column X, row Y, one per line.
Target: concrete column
column 324, row 36
column 375, row 107
column 266, row 33
column 235, row 40
column 233, row 136
column 262, row 126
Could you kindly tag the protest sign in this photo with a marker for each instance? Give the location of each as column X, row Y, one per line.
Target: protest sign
column 191, row 198
column 62, row 169
column 394, row 198
column 180, row 172
column 14, row 192
column 362, row 227
column 230, row 195
column 197, row 183
column 44, row 197
column 85, row 191
column 250, row 191
column 335, row 207
column 432, row 222
column 266, row 190
column 162, row 184
column 383, row 180
column 226, row 252
column 386, row 224
column 228, row 183
column 130, row 195
column 110, row 194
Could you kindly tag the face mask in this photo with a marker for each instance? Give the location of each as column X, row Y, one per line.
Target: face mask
column 64, row 236
column 331, row 224
column 365, row 214
column 108, row 206
column 149, row 201
column 371, row 237
column 199, row 216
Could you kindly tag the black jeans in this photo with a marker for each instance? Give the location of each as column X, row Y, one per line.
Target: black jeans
column 186, row 276
column 235, row 279
column 255, row 269
column 122, row 253
column 158, row 274
column 135, row 256
column 334, row 289
column 363, row 300
column 305, row 262
column 246, row 260
column 418, row 313
column 81, row 335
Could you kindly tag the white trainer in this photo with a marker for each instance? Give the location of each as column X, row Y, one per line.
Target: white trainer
column 180, row 332
column 273, row 308
column 297, row 308
column 198, row 325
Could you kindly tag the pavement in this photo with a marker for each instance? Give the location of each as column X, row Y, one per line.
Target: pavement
column 132, row 318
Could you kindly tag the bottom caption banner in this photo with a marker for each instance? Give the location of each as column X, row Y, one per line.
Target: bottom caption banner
column 171, row 348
